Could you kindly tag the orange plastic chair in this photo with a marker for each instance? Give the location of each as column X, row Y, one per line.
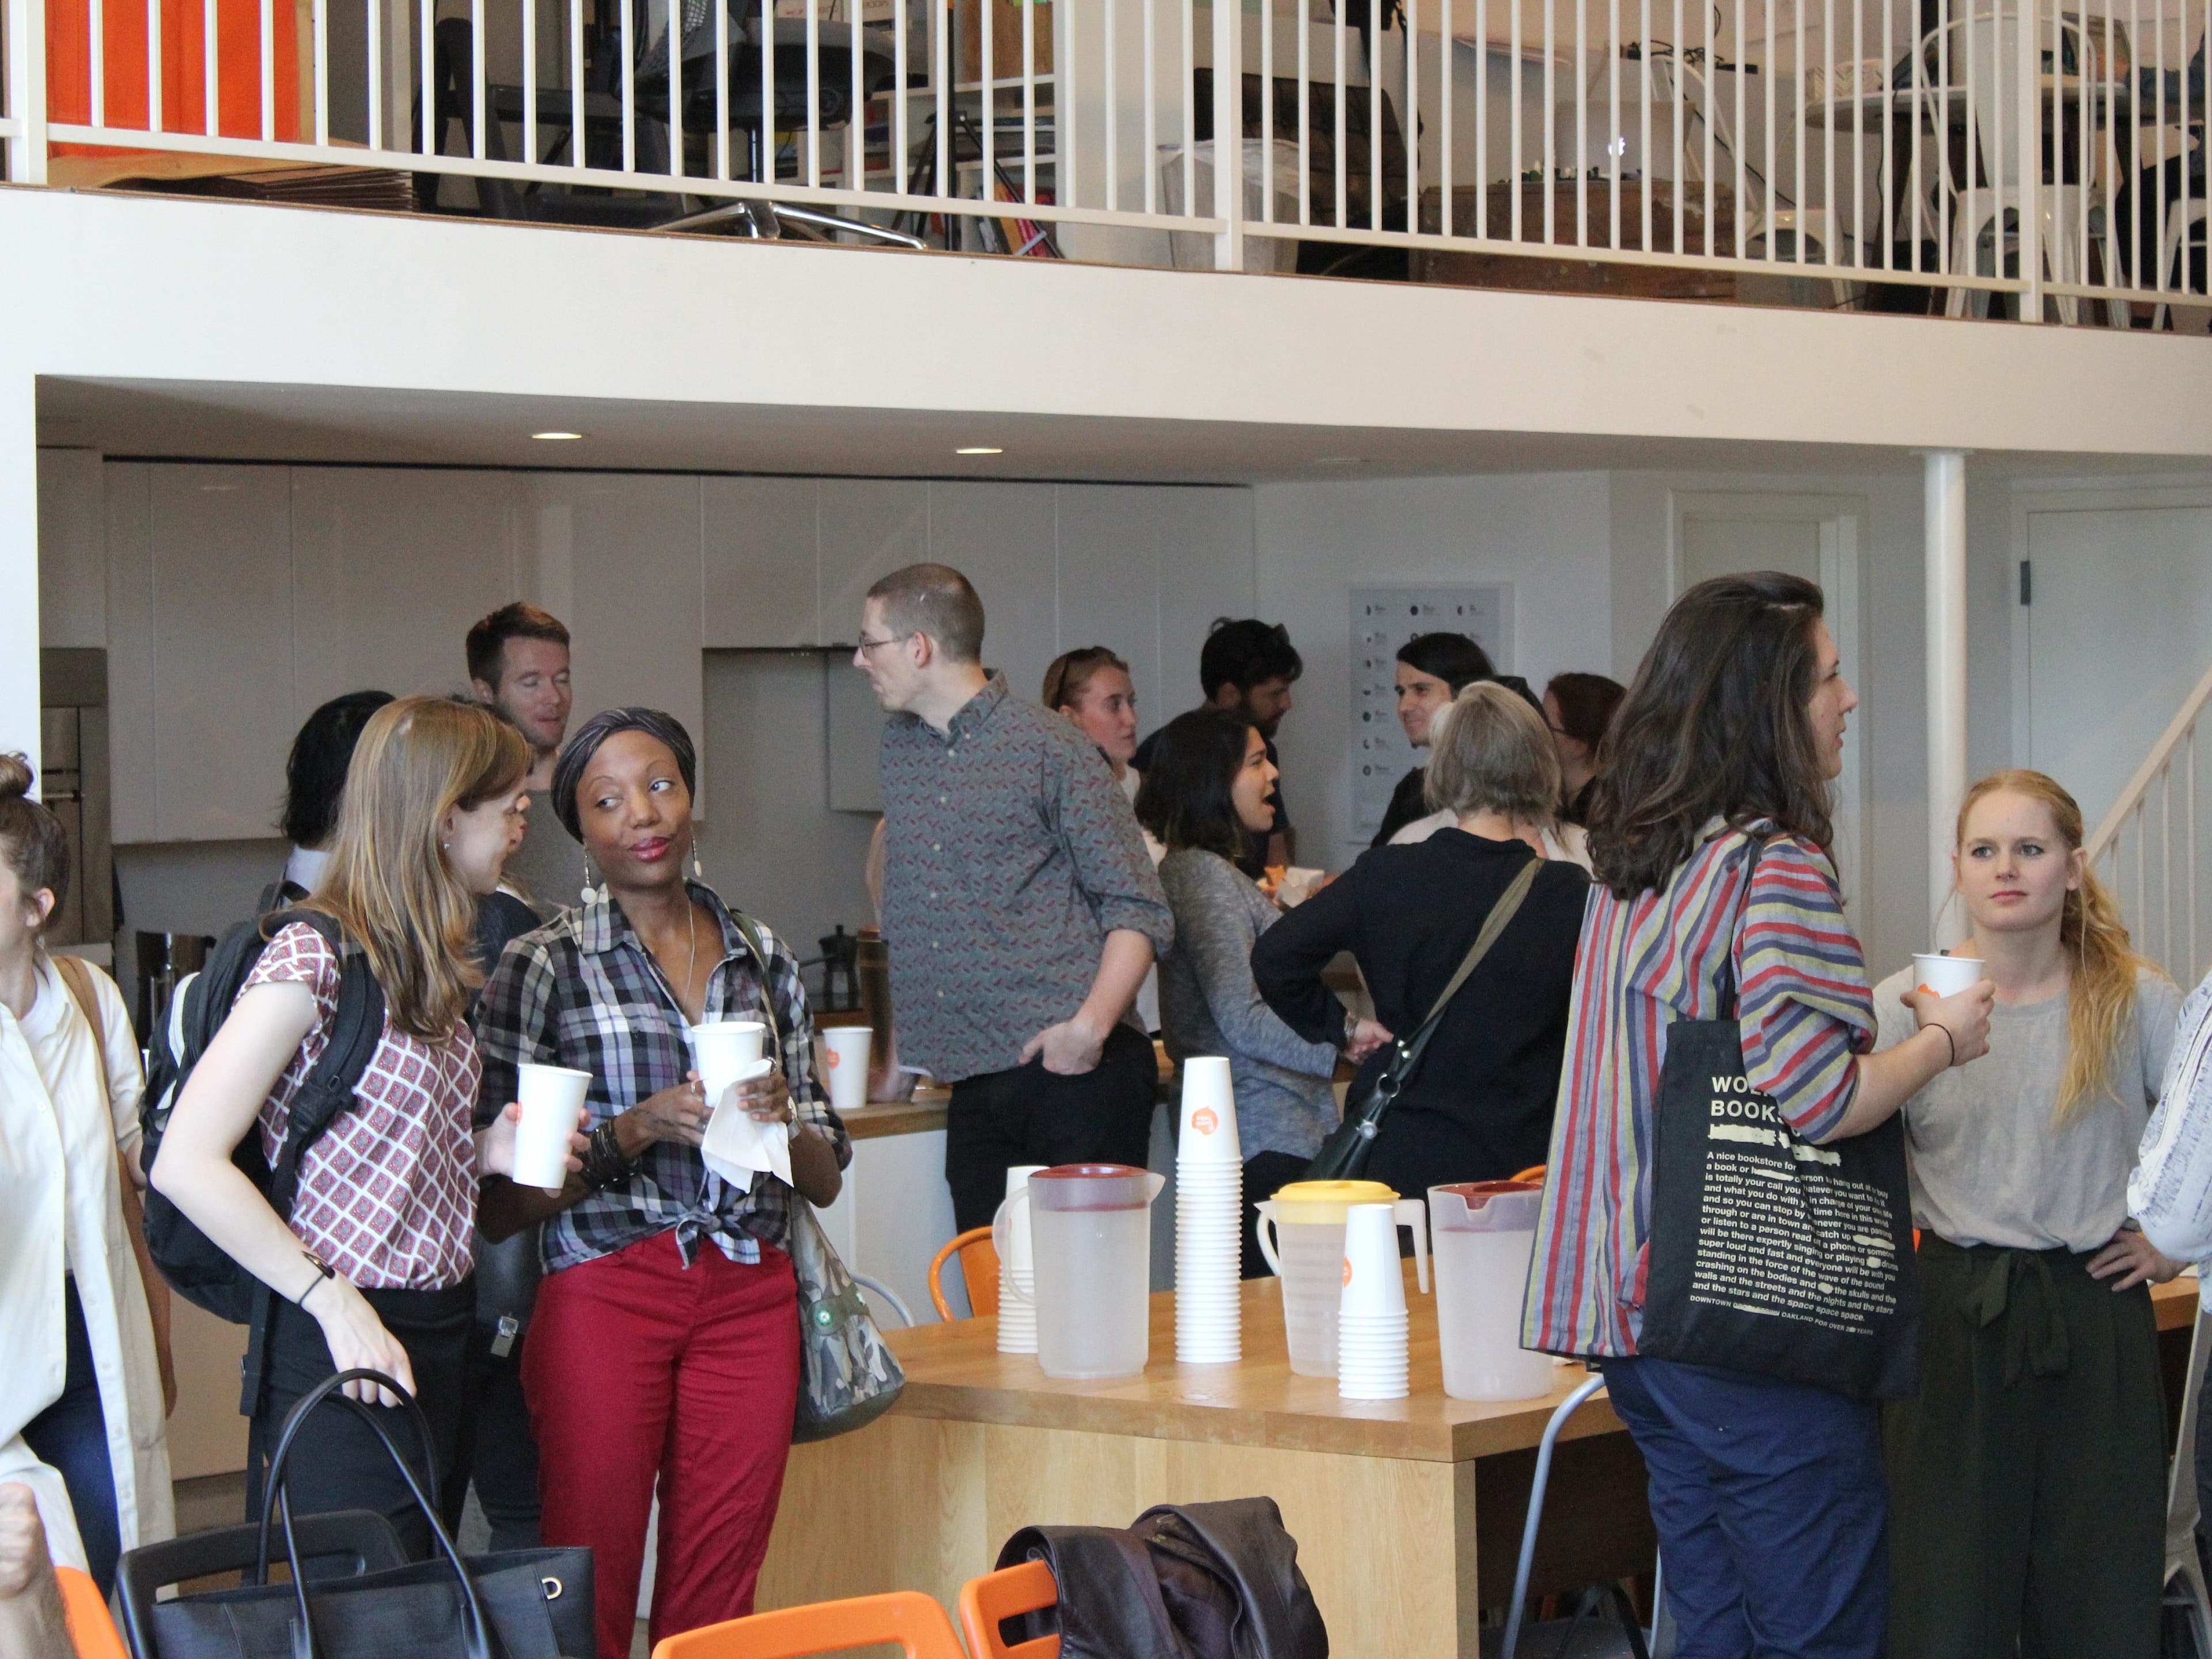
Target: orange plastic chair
column 1534, row 1172
column 1006, row 1594
column 978, row 1270
column 908, row 1618
column 92, row 1631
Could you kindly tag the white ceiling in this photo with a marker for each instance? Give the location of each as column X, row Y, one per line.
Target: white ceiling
column 219, row 420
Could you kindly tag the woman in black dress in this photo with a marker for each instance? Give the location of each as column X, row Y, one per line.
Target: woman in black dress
column 1478, row 1107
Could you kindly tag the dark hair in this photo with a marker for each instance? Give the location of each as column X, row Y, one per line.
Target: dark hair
column 576, row 754
column 315, row 770
column 937, row 600
column 1184, row 798
column 32, row 839
column 1455, row 659
column 1717, row 724
column 1587, row 704
column 1243, row 653
column 486, row 646
column 1069, row 676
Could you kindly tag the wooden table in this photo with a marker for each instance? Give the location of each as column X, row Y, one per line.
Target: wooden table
column 1407, row 1513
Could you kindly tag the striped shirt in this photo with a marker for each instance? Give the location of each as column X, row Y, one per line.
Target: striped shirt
column 583, row 992
column 1645, row 963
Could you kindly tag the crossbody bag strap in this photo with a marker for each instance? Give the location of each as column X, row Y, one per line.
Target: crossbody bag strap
column 1731, row 974
column 76, row 978
column 1501, row 915
column 750, row 931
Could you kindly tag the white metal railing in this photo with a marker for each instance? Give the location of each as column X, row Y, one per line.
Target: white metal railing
column 2147, row 847
column 2046, row 149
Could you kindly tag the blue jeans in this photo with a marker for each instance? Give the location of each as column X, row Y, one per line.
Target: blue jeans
column 71, row 1436
column 1771, row 1510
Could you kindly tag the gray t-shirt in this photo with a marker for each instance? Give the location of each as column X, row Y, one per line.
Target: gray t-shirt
column 1988, row 1164
column 547, row 869
column 1210, row 1005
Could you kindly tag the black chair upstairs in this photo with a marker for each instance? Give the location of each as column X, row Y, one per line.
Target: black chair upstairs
column 343, row 1544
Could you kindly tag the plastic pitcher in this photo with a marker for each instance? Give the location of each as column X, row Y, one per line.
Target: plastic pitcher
column 1484, row 1232
column 1091, row 1242
column 1307, row 1253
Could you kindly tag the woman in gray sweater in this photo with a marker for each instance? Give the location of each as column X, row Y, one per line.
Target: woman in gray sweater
column 1209, row 783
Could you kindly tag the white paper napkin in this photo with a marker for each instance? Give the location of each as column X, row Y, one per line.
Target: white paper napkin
column 738, row 1146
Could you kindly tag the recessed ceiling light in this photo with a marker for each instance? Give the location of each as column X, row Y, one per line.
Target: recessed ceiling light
column 555, row 437
column 979, row 449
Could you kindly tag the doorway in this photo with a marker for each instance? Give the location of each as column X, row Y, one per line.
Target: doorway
column 1726, row 532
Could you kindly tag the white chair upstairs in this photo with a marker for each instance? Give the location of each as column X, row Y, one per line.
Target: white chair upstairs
column 1980, row 55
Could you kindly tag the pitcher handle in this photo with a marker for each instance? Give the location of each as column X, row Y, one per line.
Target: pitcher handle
column 1010, row 1283
column 1260, row 1225
column 1413, row 1213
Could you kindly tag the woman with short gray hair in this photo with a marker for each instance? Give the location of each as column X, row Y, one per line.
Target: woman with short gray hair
column 1479, row 1106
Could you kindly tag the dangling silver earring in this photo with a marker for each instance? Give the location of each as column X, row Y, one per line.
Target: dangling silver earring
column 589, row 894
column 697, row 874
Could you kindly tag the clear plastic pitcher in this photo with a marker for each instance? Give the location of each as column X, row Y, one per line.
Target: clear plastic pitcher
column 1307, row 1253
column 1090, row 1240
column 1484, row 1232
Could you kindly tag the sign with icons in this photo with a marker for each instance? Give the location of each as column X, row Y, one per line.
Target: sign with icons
column 1382, row 619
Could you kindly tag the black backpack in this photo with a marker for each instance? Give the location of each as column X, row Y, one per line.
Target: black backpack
column 193, row 1264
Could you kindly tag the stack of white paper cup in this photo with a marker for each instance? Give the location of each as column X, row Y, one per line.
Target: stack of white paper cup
column 1209, row 1217
column 1371, row 1322
column 1018, row 1318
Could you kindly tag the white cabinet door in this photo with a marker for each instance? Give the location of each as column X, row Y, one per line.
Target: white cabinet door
column 760, row 567
column 1000, row 537
column 129, row 494
column 1110, row 583
column 1206, row 570
column 221, row 561
column 617, row 556
column 869, row 527
column 392, row 567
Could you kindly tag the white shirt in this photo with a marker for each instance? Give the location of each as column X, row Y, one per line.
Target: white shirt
column 2170, row 1193
column 1569, row 843
column 305, row 867
column 67, row 1106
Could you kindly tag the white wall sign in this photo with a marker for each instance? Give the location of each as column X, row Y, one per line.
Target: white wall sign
column 1382, row 619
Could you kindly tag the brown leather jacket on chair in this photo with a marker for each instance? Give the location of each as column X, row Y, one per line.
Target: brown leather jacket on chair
column 1188, row 1581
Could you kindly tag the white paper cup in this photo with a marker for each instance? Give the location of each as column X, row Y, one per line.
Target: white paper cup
column 1206, row 1132
column 723, row 1048
column 550, row 1096
column 1946, row 977
column 1373, row 1283
column 846, row 1049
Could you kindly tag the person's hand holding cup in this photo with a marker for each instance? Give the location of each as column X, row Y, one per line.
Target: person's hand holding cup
column 539, row 1140
column 1950, row 992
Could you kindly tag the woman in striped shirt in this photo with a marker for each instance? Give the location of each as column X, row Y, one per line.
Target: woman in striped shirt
column 1767, row 1495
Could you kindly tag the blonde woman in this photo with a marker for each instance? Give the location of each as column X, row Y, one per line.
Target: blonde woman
column 2028, row 1478
column 84, row 1322
column 374, row 1266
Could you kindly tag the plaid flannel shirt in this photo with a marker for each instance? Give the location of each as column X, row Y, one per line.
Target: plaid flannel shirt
column 583, row 992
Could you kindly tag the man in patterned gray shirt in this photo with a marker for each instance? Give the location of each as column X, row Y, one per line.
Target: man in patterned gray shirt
column 1019, row 903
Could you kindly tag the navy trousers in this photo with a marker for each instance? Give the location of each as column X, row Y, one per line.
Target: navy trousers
column 1771, row 1507
column 71, row 1436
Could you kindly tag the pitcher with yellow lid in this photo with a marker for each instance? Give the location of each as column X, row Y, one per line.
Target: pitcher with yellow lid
column 1307, row 1253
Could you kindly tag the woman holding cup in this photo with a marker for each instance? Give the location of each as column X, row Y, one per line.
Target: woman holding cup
column 664, row 1346
column 1768, row 1495
column 373, row 1267
column 2039, row 1378
column 1208, row 788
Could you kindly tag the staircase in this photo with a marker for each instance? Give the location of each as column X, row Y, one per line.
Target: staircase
column 2147, row 848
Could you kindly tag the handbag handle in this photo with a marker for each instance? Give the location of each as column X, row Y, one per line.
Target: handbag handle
column 273, row 1496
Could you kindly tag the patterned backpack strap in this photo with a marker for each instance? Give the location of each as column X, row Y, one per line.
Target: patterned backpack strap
column 750, row 930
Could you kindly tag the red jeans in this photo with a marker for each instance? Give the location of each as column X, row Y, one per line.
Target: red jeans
column 637, row 1367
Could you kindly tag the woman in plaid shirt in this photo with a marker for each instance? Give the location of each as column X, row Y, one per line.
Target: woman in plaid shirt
column 664, row 1345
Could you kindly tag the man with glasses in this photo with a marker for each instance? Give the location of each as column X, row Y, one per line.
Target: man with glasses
column 1020, row 906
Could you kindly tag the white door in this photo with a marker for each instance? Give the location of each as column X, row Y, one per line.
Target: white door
column 1719, row 533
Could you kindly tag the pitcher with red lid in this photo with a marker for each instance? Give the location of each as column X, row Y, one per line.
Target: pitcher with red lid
column 1090, row 1240
column 1484, row 1232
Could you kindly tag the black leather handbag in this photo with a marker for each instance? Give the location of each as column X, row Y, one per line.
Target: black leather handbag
column 521, row 1604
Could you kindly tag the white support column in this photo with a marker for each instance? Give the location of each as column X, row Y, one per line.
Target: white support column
column 26, row 90
column 1945, row 542
column 18, row 562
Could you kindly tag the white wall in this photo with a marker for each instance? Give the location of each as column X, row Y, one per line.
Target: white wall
column 1547, row 534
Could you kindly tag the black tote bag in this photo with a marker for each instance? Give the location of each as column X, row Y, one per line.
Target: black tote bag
column 1768, row 1254
column 520, row 1604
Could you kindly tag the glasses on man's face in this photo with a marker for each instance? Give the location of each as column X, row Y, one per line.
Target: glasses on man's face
column 867, row 645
